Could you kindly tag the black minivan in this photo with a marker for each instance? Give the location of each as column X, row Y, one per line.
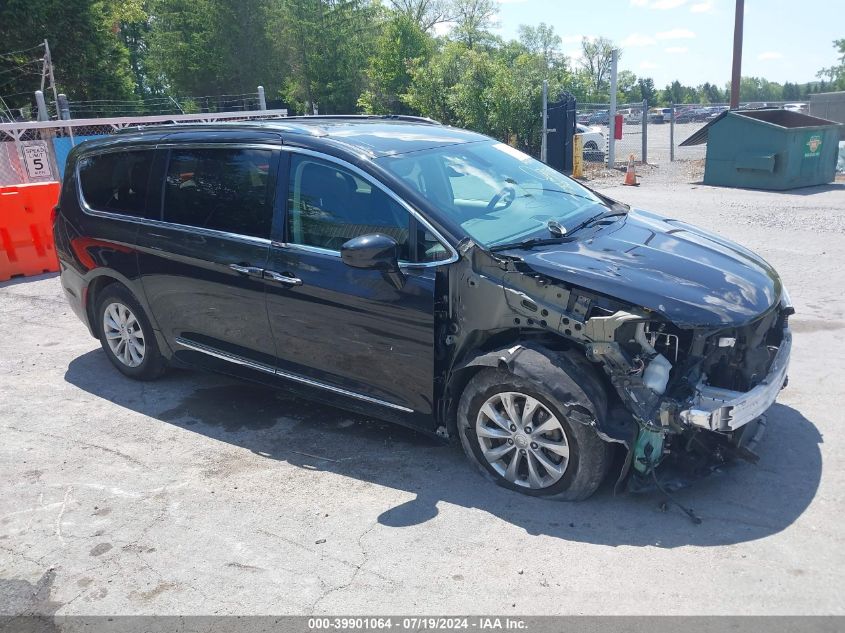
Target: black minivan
column 432, row 277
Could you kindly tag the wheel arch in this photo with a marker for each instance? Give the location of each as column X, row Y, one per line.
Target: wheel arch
column 566, row 373
column 98, row 284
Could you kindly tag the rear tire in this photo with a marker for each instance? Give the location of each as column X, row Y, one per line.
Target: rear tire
column 126, row 335
column 557, row 458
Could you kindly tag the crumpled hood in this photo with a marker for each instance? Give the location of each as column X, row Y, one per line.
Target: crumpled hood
column 691, row 276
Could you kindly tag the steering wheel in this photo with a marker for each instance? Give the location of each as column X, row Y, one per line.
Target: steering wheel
column 507, row 194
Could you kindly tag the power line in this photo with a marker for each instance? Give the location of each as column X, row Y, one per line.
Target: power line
column 8, row 81
column 24, row 65
column 16, row 94
column 23, row 50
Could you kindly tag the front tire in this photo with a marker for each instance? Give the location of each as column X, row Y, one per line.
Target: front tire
column 126, row 335
column 520, row 438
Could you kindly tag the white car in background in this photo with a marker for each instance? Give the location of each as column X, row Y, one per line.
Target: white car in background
column 796, row 107
column 594, row 142
column 631, row 116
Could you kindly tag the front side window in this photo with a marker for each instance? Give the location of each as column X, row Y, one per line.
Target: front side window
column 496, row 193
column 117, row 181
column 221, row 189
column 329, row 205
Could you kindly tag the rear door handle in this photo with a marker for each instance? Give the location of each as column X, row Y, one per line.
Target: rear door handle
column 288, row 280
column 252, row 271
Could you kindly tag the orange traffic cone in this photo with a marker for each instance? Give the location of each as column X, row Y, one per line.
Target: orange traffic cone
column 631, row 174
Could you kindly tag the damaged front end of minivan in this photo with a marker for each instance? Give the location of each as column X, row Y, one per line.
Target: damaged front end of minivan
column 682, row 397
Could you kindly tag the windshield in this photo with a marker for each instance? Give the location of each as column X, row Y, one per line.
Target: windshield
column 495, row 192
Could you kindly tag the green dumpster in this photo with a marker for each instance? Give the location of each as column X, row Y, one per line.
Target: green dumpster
column 768, row 149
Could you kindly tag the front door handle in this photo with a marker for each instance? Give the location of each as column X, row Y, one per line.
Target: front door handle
column 252, row 271
column 287, row 279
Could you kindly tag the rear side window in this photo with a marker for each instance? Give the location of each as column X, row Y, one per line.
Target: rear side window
column 117, row 182
column 222, row 189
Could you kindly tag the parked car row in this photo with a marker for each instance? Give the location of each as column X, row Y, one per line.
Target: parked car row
column 631, row 116
column 685, row 114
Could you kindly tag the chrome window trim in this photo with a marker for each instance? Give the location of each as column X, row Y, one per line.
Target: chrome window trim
column 309, row 249
column 376, row 183
column 239, row 360
column 175, row 144
column 89, row 210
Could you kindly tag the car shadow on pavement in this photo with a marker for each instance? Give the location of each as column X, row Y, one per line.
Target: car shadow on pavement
column 741, row 503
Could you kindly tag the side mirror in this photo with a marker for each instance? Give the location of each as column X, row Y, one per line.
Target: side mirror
column 374, row 252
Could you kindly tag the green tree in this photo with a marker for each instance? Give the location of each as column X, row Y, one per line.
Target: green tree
column 324, row 46
column 424, row 13
column 541, row 40
column 493, row 90
column 595, row 64
column 647, row 90
column 90, row 60
column 208, row 47
column 677, row 93
column 628, row 90
column 756, row 89
column 791, row 92
column 401, row 42
column 710, row 93
column 473, row 20
column 836, row 74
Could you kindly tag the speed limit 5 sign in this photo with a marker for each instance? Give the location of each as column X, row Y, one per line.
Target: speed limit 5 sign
column 37, row 160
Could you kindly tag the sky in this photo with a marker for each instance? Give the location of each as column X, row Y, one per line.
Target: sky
column 692, row 40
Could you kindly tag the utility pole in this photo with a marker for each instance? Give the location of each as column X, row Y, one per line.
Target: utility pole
column 736, row 74
column 48, row 70
column 544, row 139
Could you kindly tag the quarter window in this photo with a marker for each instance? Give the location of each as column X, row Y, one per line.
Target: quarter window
column 117, row 181
column 221, row 189
column 329, row 205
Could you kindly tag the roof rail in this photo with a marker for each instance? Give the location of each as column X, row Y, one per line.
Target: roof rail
column 358, row 117
column 277, row 124
column 280, row 122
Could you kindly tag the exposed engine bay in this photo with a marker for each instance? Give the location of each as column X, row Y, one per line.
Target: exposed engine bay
column 686, row 398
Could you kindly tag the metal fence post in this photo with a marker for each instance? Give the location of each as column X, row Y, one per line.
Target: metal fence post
column 672, row 134
column 42, row 106
column 544, row 151
column 645, row 132
column 262, row 102
column 611, row 142
column 64, row 107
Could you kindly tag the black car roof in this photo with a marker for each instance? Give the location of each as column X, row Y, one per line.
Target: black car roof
column 372, row 135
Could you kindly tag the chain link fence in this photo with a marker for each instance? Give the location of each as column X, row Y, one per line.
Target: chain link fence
column 151, row 106
column 653, row 134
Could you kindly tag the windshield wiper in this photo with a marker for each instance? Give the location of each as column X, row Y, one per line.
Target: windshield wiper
column 596, row 218
column 563, row 191
column 530, row 243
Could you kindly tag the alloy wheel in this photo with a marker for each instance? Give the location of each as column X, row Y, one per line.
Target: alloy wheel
column 123, row 334
column 522, row 440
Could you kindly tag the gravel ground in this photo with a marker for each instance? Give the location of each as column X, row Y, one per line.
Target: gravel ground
column 199, row 495
column 658, row 137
